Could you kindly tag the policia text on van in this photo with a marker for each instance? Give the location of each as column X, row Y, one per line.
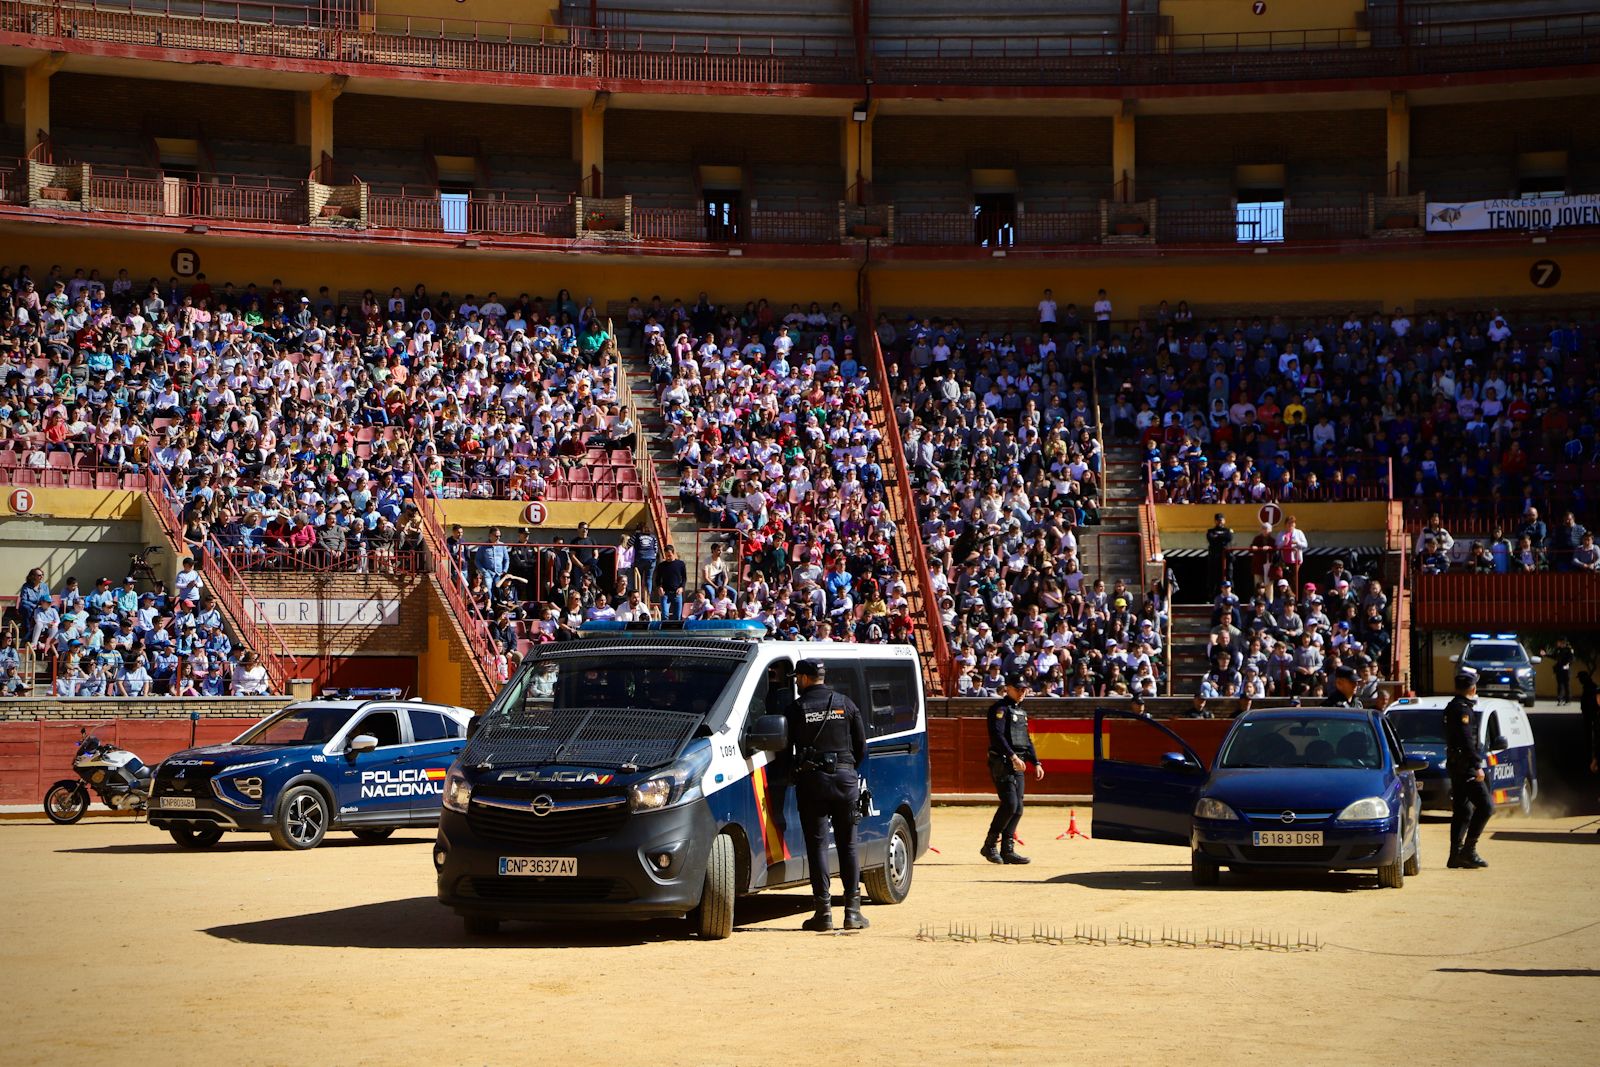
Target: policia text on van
column 645, row 771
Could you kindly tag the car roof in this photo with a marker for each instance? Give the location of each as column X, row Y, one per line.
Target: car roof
column 1437, row 703
column 357, row 705
column 1308, row 713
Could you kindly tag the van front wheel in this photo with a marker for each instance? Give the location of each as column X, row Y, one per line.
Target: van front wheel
column 891, row 883
column 713, row 919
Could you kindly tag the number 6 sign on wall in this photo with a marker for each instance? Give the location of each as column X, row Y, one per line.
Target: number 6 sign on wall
column 186, row 263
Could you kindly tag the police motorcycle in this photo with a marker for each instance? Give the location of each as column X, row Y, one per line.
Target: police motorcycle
column 118, row 777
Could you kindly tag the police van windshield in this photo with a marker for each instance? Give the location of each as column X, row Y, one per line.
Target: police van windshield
column 1308, row 742
column 1498, row 653
column 297, row 726
column 668, row 682
column 1418, row 726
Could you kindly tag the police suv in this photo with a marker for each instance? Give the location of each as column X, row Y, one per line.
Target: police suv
column 369, row 766
column 642, row 772
column 1503, row 731
column 1504, row 667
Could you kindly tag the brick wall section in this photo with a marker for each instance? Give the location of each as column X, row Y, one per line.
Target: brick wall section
column 405, row 639
column 1507, row 127
column 34, row 710
column 225, row 112
column 912, row 140
column 366, row 121
column 720, row 139
column 1277, row 137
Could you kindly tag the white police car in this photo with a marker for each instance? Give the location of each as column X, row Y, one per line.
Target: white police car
column 1503, row 732
column 1504, row 667
column 369, row 766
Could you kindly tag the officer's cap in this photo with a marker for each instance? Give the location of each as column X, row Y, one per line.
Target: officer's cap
column 810, row 668
column 1346, row 673
column 1015, row 680
column 1466, row 678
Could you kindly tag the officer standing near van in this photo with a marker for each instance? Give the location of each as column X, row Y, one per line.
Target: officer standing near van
column 830, row 743
column 1470, row 803
column 1010, row 752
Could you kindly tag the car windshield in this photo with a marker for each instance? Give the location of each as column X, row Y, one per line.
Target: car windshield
column 1312, row 741
column 1497, row 653
column 297, row 726
column 1418, row 726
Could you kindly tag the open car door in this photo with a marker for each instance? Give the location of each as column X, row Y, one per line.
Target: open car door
column 1142, row 793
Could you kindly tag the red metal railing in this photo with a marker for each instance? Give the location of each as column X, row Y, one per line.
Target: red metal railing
column 450, row 578
column 604, row 54
column 907, row 522
column 225, row 583
column 669, row 224
column 543, row 573
column 1055, row 228
column 934, row 228
column 1484, row 601
column 795, row 227
column 247, row 199
column 314, row 560
column 1312, row 223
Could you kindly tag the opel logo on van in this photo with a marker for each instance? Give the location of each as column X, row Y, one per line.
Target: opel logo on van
column 543, row 805
column 1287, row 816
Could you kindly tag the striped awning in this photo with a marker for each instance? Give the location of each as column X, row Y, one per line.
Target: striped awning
column 1315, row 552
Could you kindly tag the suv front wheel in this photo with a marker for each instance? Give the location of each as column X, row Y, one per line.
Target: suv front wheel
column 303, row 818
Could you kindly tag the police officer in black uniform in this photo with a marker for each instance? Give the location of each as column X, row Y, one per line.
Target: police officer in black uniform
column 1010, row 752
column 1470, row 803
column 830, row 743
column 1345, row 683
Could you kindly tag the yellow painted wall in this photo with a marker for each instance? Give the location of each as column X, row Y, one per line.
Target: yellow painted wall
column 1359, row 523
column 1405, row 278
column 458, row 16
column 1238, row 16
column 561, row 515
column 102, row 505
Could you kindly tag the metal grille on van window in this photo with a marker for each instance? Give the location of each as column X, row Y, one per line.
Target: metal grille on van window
column 605, row 737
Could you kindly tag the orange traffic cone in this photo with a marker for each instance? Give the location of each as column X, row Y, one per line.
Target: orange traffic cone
column 1072, row 829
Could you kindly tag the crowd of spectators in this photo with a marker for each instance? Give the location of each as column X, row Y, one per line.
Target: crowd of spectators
column 1001, row 443
column 292, row 426
column 1459, row 405
column 1531, row 545
column 115, row 641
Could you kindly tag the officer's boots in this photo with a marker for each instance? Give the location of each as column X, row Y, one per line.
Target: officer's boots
column 991, row 851
column 1011, row 855
column 1464, row 856
column 822, row 921
column 853, row 919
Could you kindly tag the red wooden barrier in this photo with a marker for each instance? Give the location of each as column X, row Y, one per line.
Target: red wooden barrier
column 35, row 754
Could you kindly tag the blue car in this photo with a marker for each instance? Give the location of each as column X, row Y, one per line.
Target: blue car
column 1303, row 788
column 369, row 766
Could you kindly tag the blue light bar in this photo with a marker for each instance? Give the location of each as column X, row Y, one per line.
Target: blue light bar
column 728, row 627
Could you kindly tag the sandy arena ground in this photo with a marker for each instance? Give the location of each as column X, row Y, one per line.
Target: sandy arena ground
column 119, row 945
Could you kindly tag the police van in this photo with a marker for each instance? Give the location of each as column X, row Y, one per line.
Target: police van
column 642, row 771
column 1504, row 734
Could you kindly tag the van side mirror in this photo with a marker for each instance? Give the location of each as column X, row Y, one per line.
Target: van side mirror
column 1455, row 658
column 361, row 743
column 1535, row 659
column 1499, row 743
column 769, row 733
column 473, row 724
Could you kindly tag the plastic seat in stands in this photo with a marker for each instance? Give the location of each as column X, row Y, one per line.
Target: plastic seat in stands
column 136, row 481
column 606, row 492
column 632, row 493
column 580, row 475
column 59, row 461
column 55, row 479
column 106, row 480
column 582, row 491
column 627, row 475
column 621, row 457
column 81, row 479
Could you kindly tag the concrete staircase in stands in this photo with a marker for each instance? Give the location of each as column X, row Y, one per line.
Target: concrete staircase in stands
column 1113, row 549
column 685, row 526
column 1191, row 631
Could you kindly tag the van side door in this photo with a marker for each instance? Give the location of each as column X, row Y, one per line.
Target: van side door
column 896, row 770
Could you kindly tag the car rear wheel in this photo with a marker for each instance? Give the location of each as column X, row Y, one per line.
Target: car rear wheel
column 891, row 883
column 713, row 919
column 1526, row 802
column 302, row 819
column 373, row 837
column 195, row 836
column 1203, row 870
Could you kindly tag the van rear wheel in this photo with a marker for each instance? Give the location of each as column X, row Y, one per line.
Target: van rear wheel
column 1526, row 801
column 891, row 883
column 713, row 919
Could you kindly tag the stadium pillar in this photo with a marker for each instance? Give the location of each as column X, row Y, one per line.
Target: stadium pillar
column 36, row 98
column 589, row 144
column 319, row 119
column 855, row 140
column 1399, row 140
column 1122, row 154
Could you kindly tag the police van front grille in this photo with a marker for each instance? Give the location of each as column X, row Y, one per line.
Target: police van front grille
column 544, row 890
column 556, row 828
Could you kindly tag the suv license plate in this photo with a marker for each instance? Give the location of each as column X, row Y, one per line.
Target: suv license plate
column 539, row 866
column 1290, row 838
column 177, row 802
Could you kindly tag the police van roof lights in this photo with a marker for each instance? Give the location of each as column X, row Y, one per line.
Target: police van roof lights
column 1493, row 637
column 724, row 627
